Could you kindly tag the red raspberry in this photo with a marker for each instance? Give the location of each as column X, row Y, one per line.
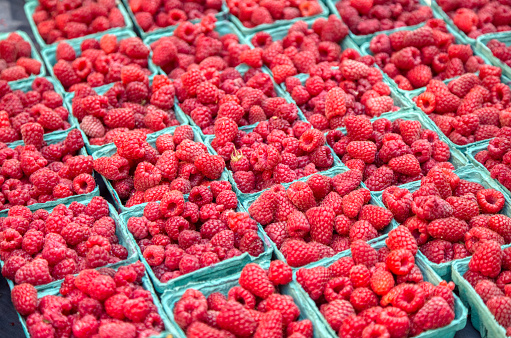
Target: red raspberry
column 336, row 312
column 321, row 222
column 236, row 319
column 360, row 276
column 254, row 279
column 35, row 273
column 299, row 253
column 434, row 314
column 382, row 178
column 313, row 280
column 487, row 259
column 335, row 103
column 211, row 166
column 500, row 307
column 301, row 195
column 24, row 298
column 450, row 229
column 401, row 238
column 363, row 253
column 358, row 128
column 347, row 181
column 400, row 261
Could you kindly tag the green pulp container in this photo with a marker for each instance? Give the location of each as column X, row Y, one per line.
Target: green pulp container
column 30, row 9
column 49, row 55
column 361, row 39
column 119, row 231
column 223, row 285
column 267, row 26
column 35, row 55
column 482, row 319
column 472, row 174
column 430, row 275
column 375, row 200
column 197, row 277
column 483, row 40
column 52, row 138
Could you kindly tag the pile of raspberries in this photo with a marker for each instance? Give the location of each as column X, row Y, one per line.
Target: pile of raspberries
column 144, row 172
column 103, row 303
column 500, row 51
column 40, row 247
column 196, row 44
column 489, row 273
column 320, row 217
column 273, row 153
column 365, row 17
column 177, row 237
column 61, row 20
column 253, row 13
column 470, row 108
column 497, row 156
column 41, row 107
column 100, row 62
column 16, row 61
column 156, row 14
column 379, row 293
column 255, row 308
column 131, row 104
column 388, row 153
column 207, row 95
column 449, row 217
column 476, row 18
column 413, row 58
column 330, row 95
column 38, row 172
column 300, row 50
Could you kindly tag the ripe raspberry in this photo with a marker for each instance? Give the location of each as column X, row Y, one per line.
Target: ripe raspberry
column 336, row 312
column 487, row 259
column 236, row 319
column 382, row 178
column 299, row 253
column 363, row 253
column 400, row 261
column 434, row 314
column 24, row 298
column 255, row 280
column 450, row 229
column 321, row 222
column 301, row 195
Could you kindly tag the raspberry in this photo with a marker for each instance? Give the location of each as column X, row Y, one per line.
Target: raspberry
column 363, row 253
column 24, row 298
column 211, row 166
column 382, row 178
column 360, row 276
column 313, row 280
column 500, row 307
column 335, row 103
column 254, row 279
column 400, row 261
column 487, row 259
column 434, row 314
column 358, row 128
column 35, row 273
column 300, row 253
column 450, row 229
column 321, row 222
column 336, row 312
column 347, row 182
column 490, row 200
column 236, row 319
column 501, row 224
